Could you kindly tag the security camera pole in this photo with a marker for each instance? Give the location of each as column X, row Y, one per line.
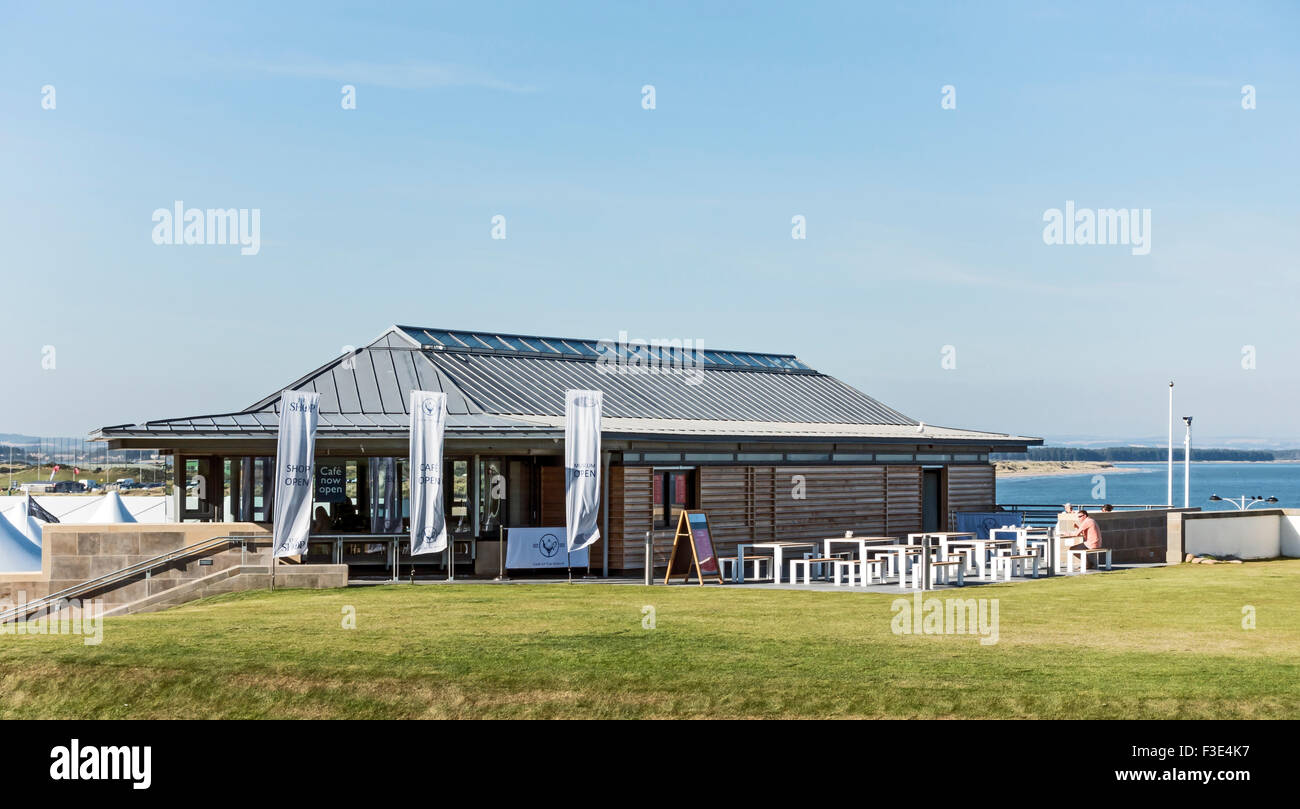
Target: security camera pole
column 1187, row 462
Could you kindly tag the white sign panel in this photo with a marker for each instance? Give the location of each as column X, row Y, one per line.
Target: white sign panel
column 540, row 548
column 428, row 523
column 294, row 483
column 582, row 466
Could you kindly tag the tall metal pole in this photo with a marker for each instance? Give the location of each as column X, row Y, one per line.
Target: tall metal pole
column 501, row 550
column 925, row 563
column 1169, row 493
column 1187, row 463
column 649, row 560
column 604, row 508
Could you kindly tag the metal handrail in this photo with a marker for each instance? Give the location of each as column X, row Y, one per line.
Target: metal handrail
column 1131, row 506
column 127, row 572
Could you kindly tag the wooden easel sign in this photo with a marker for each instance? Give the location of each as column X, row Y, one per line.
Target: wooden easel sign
column 693, row 550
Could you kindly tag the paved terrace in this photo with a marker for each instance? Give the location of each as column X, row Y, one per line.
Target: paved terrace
column 815, row 585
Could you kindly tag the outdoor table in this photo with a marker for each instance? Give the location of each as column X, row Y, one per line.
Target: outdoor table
column 944, row 537
column 1026, row 536
column 862, row 543
column 903, row 554
column 982, row 548
column 777, row 550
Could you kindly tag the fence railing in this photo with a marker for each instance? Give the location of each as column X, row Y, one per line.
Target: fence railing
column 1042, row 515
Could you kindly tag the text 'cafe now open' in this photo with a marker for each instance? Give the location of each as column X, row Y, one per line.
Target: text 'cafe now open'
column 767, row 446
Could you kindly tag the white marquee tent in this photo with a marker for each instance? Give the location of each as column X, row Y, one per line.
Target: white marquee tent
column 111, row 509
column 18, row 554
column 20, row 517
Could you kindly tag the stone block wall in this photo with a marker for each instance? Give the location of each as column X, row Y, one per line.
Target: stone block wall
column 72, row 554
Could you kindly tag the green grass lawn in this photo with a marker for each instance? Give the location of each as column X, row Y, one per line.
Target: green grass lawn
column 1147, row 643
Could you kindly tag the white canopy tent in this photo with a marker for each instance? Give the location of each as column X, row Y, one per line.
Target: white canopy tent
column 20, row 517
column 18, row 554
column 111, row 509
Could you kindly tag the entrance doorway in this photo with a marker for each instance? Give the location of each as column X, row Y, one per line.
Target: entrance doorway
column 931, row 499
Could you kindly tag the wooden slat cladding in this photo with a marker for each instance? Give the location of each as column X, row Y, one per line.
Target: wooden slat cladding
column 903, row 500
column 725, row 494
column 760, row 485
column 766, row 503
column 970, row 488
column 631, row 514
column 758, row 503
column 552, row 508
column 835, row 500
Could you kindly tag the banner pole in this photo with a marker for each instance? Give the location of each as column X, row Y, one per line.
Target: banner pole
column 501, row 552
column 568, row 561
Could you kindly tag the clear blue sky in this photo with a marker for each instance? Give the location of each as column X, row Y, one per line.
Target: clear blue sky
column 924, row 224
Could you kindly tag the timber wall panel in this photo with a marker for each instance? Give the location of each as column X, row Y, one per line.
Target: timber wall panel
column 632, row 514
column 970, row 488
column 728, row 497
column 757, row 503
column 552, row 510
column 836, row 499
column 903, row 500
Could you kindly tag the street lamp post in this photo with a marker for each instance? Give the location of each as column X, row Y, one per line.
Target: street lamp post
column 1187, row 463
column 1169, row 494
column 1242, row 503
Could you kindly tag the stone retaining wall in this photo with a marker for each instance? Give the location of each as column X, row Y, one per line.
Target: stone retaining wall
column 72, row 554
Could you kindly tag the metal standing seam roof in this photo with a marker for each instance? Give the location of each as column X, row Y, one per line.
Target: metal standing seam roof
column 492, row 386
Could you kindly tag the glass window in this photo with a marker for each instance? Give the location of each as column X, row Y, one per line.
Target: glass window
column 459, row 519
column 446, row 338
column 482, row 341
column 492, row 494
column 673, row 492
column 658, row 508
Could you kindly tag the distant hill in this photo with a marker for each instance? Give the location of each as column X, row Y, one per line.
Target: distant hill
column 1161, row 441
column 19, row 440
column 1140, row 454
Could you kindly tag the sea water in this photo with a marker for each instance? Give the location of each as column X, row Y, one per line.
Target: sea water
column 1145, row 483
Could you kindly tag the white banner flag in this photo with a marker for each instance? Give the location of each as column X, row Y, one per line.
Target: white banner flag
column 428, row 523
column 295, row 450
column 582, row 466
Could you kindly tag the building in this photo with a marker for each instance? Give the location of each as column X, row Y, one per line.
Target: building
column 769, row 447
